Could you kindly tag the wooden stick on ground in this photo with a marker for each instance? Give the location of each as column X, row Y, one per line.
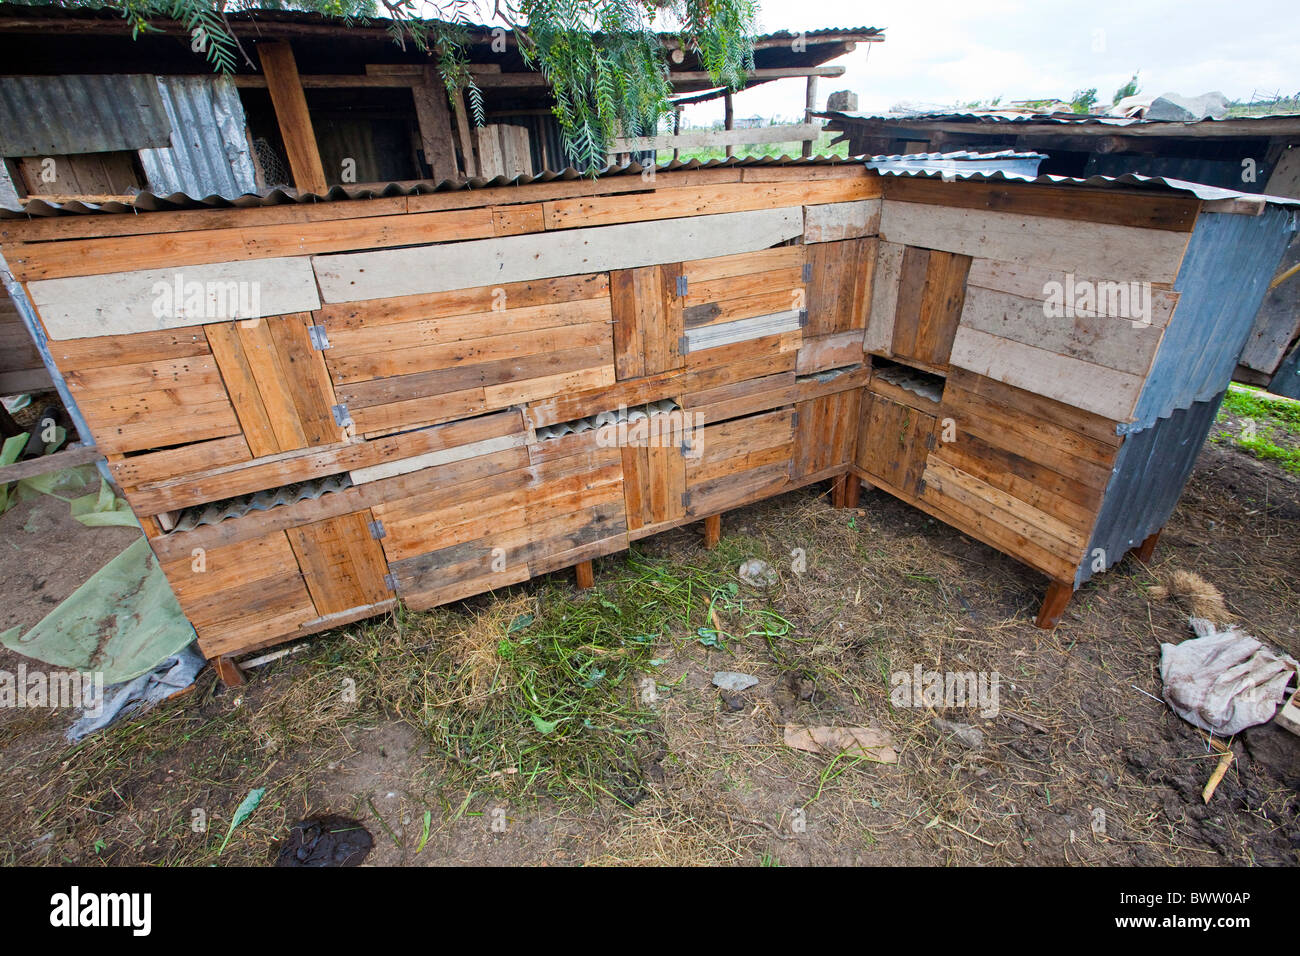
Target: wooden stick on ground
column 1225, row 761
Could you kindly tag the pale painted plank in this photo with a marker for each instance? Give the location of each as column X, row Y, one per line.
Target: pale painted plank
column 1035, row 282
column 121, row 303
column 742, row 330
column 485, row 262
column 1107, row 392
column 443, row 456
column 1110, row 342
column 833, row 221
column 884, row 297
column 1119, row 253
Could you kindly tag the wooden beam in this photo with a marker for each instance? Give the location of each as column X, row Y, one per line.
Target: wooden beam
column 712, row 531
column 292, row 116
column 434, row 116
column 1054, row 601
column 470, row 164
column 1147, row 548
column 789, row 133
column 585, row 574
column 228, row 671
column 676, row 77
column 729, row 119
column 68, row 458
column 810, row 104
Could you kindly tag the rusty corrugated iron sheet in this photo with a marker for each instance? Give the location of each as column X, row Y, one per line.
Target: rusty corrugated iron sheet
column 59, row 115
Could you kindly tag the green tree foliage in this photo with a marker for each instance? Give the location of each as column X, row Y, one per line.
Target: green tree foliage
column 1128, row 89
column 1083, row 100
column 603, row 58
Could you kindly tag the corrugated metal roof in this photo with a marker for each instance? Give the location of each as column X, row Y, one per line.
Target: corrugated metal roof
column 1020, row 165
column 1061, row 119
column 150, row 202
column 209, row 152
column 58, row 115
column 1164, row 183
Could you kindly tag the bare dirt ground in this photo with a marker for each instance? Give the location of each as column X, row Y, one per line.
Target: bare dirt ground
column 519, row 728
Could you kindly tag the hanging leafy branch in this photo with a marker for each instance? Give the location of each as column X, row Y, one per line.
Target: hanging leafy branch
column 603, row 59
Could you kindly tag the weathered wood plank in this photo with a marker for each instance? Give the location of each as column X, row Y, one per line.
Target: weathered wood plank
column 1126, row 253
column 439, row 268
column 843, row 220
column 1104, row 391
column 122, row 303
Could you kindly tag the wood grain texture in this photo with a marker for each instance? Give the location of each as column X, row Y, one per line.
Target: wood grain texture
column 426, row 269
column 123, row 303
column 1124, row 253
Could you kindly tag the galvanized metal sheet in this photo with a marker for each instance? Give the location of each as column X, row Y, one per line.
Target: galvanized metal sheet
column 1150, row 471
column 208, row 153
column 1224, row 276
column 60, row 115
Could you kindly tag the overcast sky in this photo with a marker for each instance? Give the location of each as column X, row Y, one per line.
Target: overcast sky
column 943, row 52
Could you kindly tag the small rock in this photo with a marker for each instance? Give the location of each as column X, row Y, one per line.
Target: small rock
column 967, row 735
column 733, row 701
column 733, row 681
column 757, row 573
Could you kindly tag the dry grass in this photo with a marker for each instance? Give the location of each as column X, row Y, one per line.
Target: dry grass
column 1194, row 594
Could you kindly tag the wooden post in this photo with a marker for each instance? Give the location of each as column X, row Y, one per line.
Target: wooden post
column 434, row 116
column 852, row 485
column 462, row 127
column 730, row 121
column 810, row 104
column 228, row 671
column 291, row 114
column 1147, row 547
column 838, row 491
column 1054, row 602
column 712, row 531
column 586, row 574
column 677, row 128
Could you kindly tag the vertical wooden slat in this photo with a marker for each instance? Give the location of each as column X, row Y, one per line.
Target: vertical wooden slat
column 911, row 292
column 462, row 129
column 341, row 562
column 941, row 305
column 291, row 114
column 434, row 117
column 228, row 350
column 307, row 377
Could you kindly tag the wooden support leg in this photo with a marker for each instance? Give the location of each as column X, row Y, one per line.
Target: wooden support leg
column 586, row 576
column 838, row 491
column 228, row 671
column 712, row 531
column 852, row 486
column 1054, row 602
column 1144, row 550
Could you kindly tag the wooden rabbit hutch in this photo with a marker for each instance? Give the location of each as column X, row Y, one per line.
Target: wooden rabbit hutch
column 320, row 406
